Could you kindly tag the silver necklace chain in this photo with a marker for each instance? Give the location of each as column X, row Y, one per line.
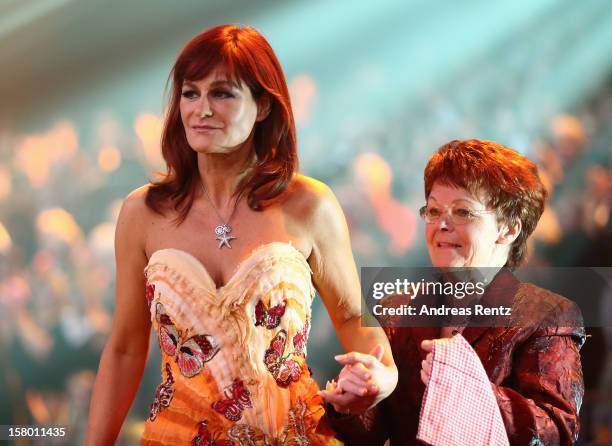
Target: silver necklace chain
column 222, row 231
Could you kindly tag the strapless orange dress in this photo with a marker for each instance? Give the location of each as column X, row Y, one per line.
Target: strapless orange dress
column 234, row 358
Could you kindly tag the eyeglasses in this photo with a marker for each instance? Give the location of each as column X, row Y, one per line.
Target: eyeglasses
column 457, row 215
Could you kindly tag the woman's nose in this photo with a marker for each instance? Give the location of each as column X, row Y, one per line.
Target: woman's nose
column 445, row 223
column 205, row 111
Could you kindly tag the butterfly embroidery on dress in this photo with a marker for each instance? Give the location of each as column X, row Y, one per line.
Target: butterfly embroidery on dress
column 294, row 433
column 149, row 293
column 237, row 398
column 283, row 369
column 246, row 435
column 206, row 438
column 163, row 395
column 269, row 317
column 301, row 338
column 191, row 354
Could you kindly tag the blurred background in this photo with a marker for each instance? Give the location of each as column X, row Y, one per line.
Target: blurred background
column 376, row 88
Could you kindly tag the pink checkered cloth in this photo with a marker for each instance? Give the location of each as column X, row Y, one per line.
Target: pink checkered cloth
column 459, row 407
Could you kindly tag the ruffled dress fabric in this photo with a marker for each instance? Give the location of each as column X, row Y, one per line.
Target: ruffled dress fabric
column 234, row 366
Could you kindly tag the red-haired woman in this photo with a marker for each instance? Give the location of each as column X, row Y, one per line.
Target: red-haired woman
column 484, row 200
column 233, row 243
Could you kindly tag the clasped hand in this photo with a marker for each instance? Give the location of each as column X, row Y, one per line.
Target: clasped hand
column 363, row 382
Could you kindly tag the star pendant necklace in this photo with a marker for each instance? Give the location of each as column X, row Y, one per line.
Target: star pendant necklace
column 222, row 231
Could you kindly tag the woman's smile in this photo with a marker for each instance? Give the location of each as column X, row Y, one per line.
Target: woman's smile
column 204, row 128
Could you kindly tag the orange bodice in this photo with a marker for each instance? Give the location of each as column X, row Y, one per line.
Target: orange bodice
column 233, row 358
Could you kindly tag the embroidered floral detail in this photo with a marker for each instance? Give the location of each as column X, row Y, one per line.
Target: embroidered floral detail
column 283, row 369
column 206, row 438
column 237, row 399
column 269, row 317
column 190, row 354
column 301, row 338
column 163, row 395
column 149, row 293
column 246, row 435
column 294, row 433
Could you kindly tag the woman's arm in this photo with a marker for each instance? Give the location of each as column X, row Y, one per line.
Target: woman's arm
column 335, row 277
column 543, row 400
column 125, row 354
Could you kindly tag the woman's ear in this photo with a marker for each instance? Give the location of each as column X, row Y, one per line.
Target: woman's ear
column 509, row 232
column 264, row 104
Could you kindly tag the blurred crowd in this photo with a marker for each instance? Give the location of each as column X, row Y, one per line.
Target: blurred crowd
column 59, row 199
column 574, row 155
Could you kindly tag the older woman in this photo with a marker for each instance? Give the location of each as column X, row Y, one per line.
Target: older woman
column 483, row 202
column 233, row 242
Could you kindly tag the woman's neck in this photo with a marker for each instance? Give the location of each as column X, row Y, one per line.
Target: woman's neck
column 483, row 274
column 221, row 173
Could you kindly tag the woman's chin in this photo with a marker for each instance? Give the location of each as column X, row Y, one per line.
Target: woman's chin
column 213, row 149
column 204, row 148
column 448, row 261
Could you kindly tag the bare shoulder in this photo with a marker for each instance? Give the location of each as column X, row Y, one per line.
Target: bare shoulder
column 135, row 216
column 310, row 197
column 314, row 204
column 134, row 202
column 135, row 207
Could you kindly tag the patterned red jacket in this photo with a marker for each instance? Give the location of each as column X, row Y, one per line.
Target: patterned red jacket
column 534, row 369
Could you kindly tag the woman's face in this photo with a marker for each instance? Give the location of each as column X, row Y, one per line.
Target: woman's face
column 218, row 115
column 476, row 243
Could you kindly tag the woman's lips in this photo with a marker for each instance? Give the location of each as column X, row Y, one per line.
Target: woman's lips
column 204, row 128
column 447, row 245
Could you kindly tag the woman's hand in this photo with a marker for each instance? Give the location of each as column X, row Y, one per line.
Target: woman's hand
column 363, row 382
column 427, row 363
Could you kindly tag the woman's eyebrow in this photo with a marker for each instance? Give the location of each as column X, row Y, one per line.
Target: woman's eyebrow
column 224, row 82
column 213, row 84
column 466, row 200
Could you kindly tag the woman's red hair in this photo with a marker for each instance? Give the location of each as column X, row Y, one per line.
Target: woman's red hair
column 247, row 57
column 509, row 179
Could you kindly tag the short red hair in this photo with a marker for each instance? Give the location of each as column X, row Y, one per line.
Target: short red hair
column 248, row 58
column 509, row 179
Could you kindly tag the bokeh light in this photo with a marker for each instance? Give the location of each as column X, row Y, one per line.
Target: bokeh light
column 373, row 95
column 109, row 158
column 58, row 224
column 148, row 128
column 5, row 240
